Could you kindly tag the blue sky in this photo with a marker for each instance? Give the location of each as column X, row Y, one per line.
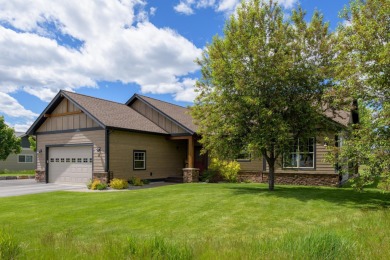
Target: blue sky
column 110, row 49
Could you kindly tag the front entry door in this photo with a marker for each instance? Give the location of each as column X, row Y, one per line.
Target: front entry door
column 201, row 160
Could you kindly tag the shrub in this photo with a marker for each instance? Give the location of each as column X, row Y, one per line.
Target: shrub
column 384, row 183
column 146, row 181
column 119, row 184
column 89, row 184
column 136, row 181
column 101, row 186
column 228, row 169
column 209, row 176
column 96, row 184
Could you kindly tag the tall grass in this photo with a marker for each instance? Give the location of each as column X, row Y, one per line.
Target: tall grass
column 67, row 246
column 10, row 248
column 157, row 248
column 318, row 244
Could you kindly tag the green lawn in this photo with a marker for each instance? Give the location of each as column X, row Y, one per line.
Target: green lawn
column 18, row 173
column 199, row 221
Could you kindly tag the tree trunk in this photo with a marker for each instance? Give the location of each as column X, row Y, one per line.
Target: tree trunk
column 271, row 176
column 271, row 165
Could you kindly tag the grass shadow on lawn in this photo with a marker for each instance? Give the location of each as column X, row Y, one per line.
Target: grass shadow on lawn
column 367, row 200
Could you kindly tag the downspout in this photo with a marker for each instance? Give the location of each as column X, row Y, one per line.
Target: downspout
column 355, row 120
column 107, row 150
column 47, row 164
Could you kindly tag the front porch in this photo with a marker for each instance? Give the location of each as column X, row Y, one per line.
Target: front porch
column 195, row 162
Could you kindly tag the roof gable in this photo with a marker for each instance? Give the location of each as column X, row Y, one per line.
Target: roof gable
column 341, row 117
column 180, row 115
column 105, row 113
column 67, row 116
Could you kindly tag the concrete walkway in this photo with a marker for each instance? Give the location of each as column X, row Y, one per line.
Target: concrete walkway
column 10, row 188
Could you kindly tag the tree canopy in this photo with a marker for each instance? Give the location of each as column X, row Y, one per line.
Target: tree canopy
column 9, row 143
column 363, row 71
column 33, row 143
column 263, row 82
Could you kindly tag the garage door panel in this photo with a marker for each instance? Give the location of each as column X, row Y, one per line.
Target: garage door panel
column 71, row 164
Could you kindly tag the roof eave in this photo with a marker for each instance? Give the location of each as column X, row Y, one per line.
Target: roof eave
column 136, row 131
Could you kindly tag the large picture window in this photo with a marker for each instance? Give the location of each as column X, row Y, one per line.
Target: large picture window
column 300, row 154
column 139, row 159
column 23, row 158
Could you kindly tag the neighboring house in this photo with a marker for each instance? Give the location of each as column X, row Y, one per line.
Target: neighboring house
column 23, row 161
column 81, row 137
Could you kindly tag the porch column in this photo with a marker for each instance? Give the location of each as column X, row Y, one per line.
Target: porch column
column 190, row 174
column 191, row 151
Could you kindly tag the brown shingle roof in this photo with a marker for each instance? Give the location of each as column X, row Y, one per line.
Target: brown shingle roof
column 340, row 116
column 179, row 114
column 114, row 114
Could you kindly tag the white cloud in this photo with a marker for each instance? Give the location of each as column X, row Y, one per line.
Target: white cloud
column 187, row 6
column 288, row 4
column 38, row 65
column 205, row 3
column 152, row 11
column 226, row 6
column 116, row 44
column 187, row 90
column 20, row 127
column 184, row 8
column 11, row 107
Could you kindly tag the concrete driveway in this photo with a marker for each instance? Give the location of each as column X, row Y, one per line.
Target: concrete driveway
column 10, row 188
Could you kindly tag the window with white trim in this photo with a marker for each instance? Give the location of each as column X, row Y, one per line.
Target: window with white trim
column 139, row 160
column 244, row 156
column 25, row 158
column 300, row 154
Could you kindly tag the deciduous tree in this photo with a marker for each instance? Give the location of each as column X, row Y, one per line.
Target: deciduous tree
column 9, row 143
column 262, row 82
column 363, row 71
column 33, row 143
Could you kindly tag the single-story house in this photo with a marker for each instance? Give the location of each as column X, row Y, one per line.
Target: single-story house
column 81, row 137
column 26, row 160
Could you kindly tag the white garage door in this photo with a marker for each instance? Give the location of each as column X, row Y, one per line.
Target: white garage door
column 70, row 164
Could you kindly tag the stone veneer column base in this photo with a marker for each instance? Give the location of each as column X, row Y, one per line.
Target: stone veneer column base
column 104, row 177
column 190, row 175
column 40, row 175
